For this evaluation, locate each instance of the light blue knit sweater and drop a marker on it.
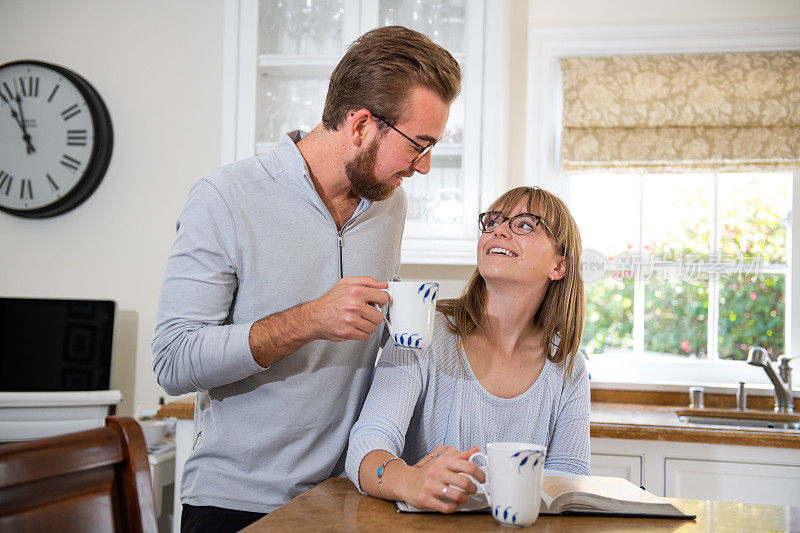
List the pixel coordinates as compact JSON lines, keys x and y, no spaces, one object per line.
{"x":420,"y":399}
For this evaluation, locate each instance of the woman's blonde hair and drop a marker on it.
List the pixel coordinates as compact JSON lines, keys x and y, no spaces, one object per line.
{"x":560,"y":315}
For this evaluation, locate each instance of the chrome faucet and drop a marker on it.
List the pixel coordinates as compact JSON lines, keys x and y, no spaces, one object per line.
{"x":784,"y":399}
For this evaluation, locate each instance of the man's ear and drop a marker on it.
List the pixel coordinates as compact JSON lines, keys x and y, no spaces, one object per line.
{"x":560,"y":270}
{"x":357,"y":125}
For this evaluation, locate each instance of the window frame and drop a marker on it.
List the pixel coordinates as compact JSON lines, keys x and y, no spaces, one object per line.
{"x":544,"y":110}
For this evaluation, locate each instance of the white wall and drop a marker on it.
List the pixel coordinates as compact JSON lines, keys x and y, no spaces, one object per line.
{"x":158,"y":67}
{"x":558,"y":13}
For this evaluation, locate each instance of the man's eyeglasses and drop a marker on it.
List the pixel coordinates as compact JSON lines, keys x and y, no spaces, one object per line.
{"x":421,"y":150}
{"x":521,"y":224}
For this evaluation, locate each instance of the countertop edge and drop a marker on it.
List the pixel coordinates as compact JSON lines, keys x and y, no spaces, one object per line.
{"x":184,"y":409}
{"x":731,"y":437}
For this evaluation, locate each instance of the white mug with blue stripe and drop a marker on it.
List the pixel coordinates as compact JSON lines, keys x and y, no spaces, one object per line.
{"x":513,"y":485}
{"x":412,"y":308}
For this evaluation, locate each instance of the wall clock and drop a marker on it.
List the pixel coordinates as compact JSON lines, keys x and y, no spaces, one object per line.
{"x":55,"y":139}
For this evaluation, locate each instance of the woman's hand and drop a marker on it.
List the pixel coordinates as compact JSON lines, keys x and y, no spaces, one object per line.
{"x":436,"y":481}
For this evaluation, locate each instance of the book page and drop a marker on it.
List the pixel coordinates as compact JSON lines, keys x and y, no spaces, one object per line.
{"x":615,"y":488}
{"x":547,"y":500}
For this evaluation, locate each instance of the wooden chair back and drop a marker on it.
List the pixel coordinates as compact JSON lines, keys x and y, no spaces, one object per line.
{"x":95,"y":480}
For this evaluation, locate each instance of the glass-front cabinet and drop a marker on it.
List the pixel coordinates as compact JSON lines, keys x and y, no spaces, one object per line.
{"x":278,"y":59}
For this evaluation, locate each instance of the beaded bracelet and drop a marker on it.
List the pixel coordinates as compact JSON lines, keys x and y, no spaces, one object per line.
{"x":382,"y":468}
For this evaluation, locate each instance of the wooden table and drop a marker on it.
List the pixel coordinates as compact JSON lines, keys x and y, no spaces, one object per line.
{"x":336,"y":505}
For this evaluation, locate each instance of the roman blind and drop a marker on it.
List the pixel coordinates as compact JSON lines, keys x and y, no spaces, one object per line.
{"x":682,"y":112}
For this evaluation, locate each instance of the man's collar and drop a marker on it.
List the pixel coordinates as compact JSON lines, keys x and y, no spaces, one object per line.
{"x":290,"y":158}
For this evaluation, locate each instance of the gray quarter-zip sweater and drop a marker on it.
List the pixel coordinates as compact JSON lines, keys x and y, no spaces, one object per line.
{"x":254,"y":239}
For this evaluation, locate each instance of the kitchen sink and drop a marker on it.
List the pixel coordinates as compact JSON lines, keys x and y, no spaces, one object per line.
{"x":738,"y":422}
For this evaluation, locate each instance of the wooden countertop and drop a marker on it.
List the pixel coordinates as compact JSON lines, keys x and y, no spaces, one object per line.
{"x":641,"y":416}
{"x":659,"y":422}
{"x":336,"y":505}
{"x":177,"y":409}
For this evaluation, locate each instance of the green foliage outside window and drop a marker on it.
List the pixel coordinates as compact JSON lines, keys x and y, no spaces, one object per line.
{"x":751,"y":303}
{"x":676,"y":316}
{"x":751,"y":313}
{"x":609,"y":314}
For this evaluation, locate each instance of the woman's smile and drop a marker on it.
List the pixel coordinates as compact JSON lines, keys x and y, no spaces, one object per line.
{"x":498,"y":250}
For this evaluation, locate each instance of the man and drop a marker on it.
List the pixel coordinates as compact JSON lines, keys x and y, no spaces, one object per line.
{"x":267,"y":305}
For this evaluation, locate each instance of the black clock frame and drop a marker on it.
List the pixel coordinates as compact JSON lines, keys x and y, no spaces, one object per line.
{"x":101,"y":149}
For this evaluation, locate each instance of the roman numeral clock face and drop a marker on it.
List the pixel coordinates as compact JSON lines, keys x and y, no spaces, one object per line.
{"x":55,"y":139}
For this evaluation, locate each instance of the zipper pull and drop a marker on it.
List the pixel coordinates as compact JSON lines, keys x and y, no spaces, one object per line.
{"x":341,"y":260}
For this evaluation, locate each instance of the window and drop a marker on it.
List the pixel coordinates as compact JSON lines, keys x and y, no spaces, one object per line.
{"x":686,"y":209}
{"x":696,"y":263}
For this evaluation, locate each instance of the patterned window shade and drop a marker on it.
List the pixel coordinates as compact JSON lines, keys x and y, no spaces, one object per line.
{"x":667,"y":113}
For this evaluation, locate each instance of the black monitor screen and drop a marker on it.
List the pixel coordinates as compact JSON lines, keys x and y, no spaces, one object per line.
{"x":55,"y":345}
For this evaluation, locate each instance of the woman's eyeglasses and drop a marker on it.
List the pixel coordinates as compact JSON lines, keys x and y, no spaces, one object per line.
{"x":521,"y":224}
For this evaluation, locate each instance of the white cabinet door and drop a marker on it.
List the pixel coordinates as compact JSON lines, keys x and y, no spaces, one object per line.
{"x":625,"y":466}
{"x":278,"y":58}
{"x":732,"y":481}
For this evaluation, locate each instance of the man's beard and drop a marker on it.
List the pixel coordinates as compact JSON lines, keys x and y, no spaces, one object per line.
{"x":361,"y":173}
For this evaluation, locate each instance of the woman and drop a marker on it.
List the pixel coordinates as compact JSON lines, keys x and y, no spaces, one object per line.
{"x":503,"y":365}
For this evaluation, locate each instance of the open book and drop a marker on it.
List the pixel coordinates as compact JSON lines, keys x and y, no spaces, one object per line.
{"x":586,"y":495}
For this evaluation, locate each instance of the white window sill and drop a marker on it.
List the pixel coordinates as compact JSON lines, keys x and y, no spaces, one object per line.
{"x":676,"y":374}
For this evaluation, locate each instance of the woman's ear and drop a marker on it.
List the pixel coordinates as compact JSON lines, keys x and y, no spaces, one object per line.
{"x":559,"y":271}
